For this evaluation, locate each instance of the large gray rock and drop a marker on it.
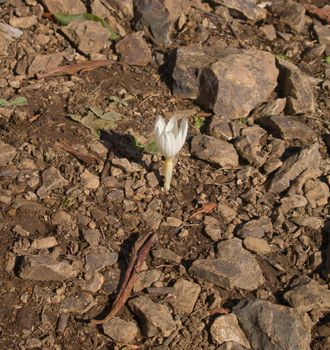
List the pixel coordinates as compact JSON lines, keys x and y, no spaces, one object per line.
{"x":47,"y":268}
{"x":272,"y":327}
{"x":214,"y":150}
{"x":155,"y":319}
{"x":235,"y":267}
{"x":288,"y":128}
{"x":306,"y":295}
{"x":296,"y":87}
{"x":158,"y":17}
{"x":308,"y":158}
{"x":189,"y":61}
{"x":226,"y":329}
{"x":237,"y":83}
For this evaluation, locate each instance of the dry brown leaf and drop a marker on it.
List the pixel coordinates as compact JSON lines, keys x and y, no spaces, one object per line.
{"x":205,"y":209}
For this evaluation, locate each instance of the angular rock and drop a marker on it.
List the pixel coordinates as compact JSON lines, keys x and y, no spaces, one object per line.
{"x":121,"y":331}
{"x":145,"y":279}
{"x":88,"y":36}
{"x":61,"y":218}
{"x":92,"y":284}
{"x":269,"y":32}
{"x":79,"y":303}
{"x":73,"y":7}
{"x":23,"y":22}
{"x":296,"y":87}
{"x":47,"y":268}
{"x":257,"y":245}
{"x":155,"y":319}
{"x":221,"y":128}
{"x":256,"y":228}
{"x":125,"y":6}
{"x":158,"y":18}
{"x":226,"y":213}
{"x":308,"y":158}
{"x":231,"y":346}
{"x":212,"y":228}
{"x":323,"y":35}
{"x":316,"y":192}
{"x":226,"y":329}
{"x":89,"y":180}
{"x":274,"y":107}
{"x":44,"y":243}
{"x":249,"y":145}
{"x":248,"y":8}
{"x":166,"y":254}
{"x":291,"y":14}
{"x":92,"y":236}
{"x":42,"y":63}
{"x":99,"y":258}
{"x":234,"y":267}
{"x":186,"y":294}
{"x":134,"y":50}
{"x":306,"y":294}
{"x":288,"y":128}
{"x":270,"y":327}
{"x":215,"y":151}
{"x":189,"y":62}
{"x":291,"y":202}
{"x":237,"y":83}
{"x":7,"y":153}
{"x":51,"y":180}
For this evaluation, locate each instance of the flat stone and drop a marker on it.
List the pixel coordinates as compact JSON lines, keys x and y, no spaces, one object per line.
{"x":99,"y":258}
{"x":323,"y":35}
{"x":269,"y":326}
{"x":166,"y":254}
{"x":7,"y":153}
{"x":308,"y":158}
{"x":306,"y":294}
{"x":47,"y":268}
{"x":249,"y":145}
{"x":215,"y":151}
{"x":257,"y":245}
{"x":79,"y":303}
{"x":274,"y":107}
{"x":226,"y":329}
{"x":189,"y":62}
{"x":291,"y":13}
{"x":44,"y":243}
{"x":41,"y":63}
{"x":146,"y":279}
{"x":73,"y":7}
{"x":134,"y":50}
{"x":51,"y":180}
{"x":212,"y":228}
{"x":61,"y":217}
{"x":292,"y":202}
{"x":248,"y":8}
{"x":158,"y":18}
{"x":226,"y":213}
{"x":92,"y":284}
{"x":92,"y":236}
{"x":155,"y":319}
{"x":125,"y":6}
{"x":88,"y":36}
{"x":269,"y":32}
{"x":186,"y":294}
{"x":237,"y":83}
{"x":288,"y":128}
{"x":317,"y":193}
{"x":89,"y":180}
{"x":296,"y":87}
{"x":121,"y":331}
{"x":23,"y":22}
{"x":235,"y":267}
{"x":256,"y":228}
{"x":221,"y":128}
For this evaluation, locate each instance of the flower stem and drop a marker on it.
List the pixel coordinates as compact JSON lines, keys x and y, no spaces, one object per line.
{"x":168,"y":167}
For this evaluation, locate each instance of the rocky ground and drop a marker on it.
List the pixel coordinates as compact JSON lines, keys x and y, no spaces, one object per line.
{"x":241,"y":252}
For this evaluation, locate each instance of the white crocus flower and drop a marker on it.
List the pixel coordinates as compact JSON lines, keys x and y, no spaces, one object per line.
{"x":169,"y":139}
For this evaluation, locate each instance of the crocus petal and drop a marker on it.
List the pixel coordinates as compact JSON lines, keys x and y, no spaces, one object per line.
{"x":171,"y":125}
{"x":182,"y":133}
{"x":160,"y":125}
